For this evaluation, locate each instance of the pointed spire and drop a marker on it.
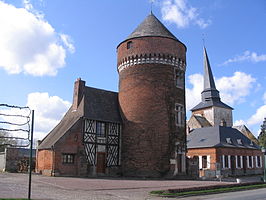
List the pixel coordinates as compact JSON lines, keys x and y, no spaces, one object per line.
{"x":210,"y":92}
{"x":208,"y":77}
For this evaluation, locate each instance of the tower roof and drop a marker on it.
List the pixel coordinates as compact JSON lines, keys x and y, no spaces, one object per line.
{"x":151,"y":26}
{"x":210,"y":95}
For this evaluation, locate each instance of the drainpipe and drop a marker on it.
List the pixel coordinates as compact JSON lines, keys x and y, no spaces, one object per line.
{"x":53,"y":162}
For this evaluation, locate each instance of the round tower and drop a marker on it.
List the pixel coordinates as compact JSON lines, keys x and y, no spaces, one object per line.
{"x":151,"y":66}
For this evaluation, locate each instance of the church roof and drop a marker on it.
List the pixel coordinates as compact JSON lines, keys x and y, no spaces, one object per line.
{"x":218,"y":136}
{"x":202,"y":120}
{"x":151,"y":26}
{"x":210,"y":95}
{"x":207,"y":104}
{"x":96,"y":104}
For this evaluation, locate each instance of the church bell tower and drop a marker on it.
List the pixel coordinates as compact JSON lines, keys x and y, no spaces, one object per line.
{"x":151,"y":63}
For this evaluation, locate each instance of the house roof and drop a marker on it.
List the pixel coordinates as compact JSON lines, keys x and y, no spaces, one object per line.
{"x":70,"y":118}
{"x":151,"y":26}
{"x":101,"y":105}
{"x":244,"y":130}
{"x":217,"y":136}
{"x":96,"y":104}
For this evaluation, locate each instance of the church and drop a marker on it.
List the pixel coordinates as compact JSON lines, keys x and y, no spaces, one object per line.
{"x":139,"y":130}
{"x":221,"y":149}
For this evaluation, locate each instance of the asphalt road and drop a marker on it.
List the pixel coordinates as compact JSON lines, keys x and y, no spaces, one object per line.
{"x":50,"y":188}
{"x":258,"y":194}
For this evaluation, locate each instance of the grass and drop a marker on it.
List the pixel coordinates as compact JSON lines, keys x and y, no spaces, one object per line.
{"x":166,"y":193}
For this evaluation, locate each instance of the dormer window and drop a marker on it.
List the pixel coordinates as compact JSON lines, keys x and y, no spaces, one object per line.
{"x":129,"y":45}
{"x":239,"y":141}
{"x":228,"y":140}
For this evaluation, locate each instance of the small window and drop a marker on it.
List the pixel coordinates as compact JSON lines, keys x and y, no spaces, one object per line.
{"x":204,"y":161}
{"x":239,"y":141}
{"x":258,"y":161}
{"x":100,"y":129}
{"x":180,"y":115}
{"x":226,"y":161}
{"x":238,"y":161}
{"x":129,"y":45}
{"x":179,"y":78}
{"x":250,"y":161}
{"x":68,"y":158}
{"x":228,"y":140}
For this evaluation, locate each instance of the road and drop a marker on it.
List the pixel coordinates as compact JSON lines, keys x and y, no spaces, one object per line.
{"x":14,"y":185}
{"x":258,"y":194}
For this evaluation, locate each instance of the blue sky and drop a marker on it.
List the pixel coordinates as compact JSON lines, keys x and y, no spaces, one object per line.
{"x":45,"y":45}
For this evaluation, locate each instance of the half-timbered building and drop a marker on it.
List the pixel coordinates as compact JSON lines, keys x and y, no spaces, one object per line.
{"x":87,"y":140}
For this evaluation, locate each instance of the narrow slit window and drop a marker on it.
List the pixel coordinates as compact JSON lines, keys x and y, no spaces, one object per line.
{"x":180,"y":115}
{"x":179,"y":78}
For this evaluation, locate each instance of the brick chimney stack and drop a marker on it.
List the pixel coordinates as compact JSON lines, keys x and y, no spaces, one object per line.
{"x":79,"y":88}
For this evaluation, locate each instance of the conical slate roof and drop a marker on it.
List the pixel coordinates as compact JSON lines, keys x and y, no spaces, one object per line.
{"x":210,"y":91}
{"x":210,"y":95}
{"x":151,"y":26}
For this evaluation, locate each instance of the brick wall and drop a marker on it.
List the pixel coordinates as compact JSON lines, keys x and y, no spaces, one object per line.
{"x":147,"y":97}
{"x":215,"y":157}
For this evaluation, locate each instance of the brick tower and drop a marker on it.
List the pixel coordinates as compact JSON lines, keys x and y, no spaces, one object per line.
{"x":151,"y":65}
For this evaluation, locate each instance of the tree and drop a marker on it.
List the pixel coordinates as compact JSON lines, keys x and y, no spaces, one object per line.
{"x":5,"y":140}
{"x":262,"y":136}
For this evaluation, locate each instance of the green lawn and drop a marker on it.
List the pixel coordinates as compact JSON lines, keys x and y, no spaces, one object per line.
{"x":166,"y":193}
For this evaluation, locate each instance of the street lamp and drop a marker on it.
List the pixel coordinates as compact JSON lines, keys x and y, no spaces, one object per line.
{"x":264,"y":174}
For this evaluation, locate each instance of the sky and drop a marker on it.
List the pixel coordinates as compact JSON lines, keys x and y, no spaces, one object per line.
{"x":45,"y":45}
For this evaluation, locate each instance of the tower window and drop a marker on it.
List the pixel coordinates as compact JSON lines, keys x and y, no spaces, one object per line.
{"x":179,"y":78}
{"x":180,"y":115}
{"x":129,"y":45}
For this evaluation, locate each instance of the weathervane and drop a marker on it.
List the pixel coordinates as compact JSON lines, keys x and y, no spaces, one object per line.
{"x":203,"y":39}
{"x":152,"y":1}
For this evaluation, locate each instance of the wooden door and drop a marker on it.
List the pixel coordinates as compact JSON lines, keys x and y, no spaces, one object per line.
{"x":101,"y":163}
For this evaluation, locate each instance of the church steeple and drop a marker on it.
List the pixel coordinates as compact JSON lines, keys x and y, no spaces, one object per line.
{"x":210,"y":93}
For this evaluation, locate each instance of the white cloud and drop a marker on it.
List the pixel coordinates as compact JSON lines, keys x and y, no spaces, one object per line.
{"x":28,"y":43}
{"x":246,"y":56}
{"x":239,"y":122}
{"x":48,"y":110}
{"x":258,"y":117}
{"x":182,"y":14}
{"x":193,"y":95}
{"x":232,"y":89}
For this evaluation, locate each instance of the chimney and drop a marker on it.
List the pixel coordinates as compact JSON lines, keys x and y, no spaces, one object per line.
{"x":79,"y":88}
